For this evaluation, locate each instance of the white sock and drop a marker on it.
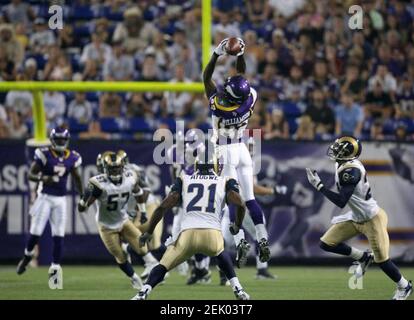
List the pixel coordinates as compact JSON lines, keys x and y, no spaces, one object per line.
{"x":149,"y":258}
{"x":146,"y":287}
{"x":55,"y":266}
{"x":238,"y":237}
{"x":402,"y":283}
{"x":235,"y":284}
{"x":134,"y":276}
{"x":260,"y":265}
{"x":356,"y":254}
{"x":203,"y":264}
{"x":261,"y":232}
{"x":28,"y":253}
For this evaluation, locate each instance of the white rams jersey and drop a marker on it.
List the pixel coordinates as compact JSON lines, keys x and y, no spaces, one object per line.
{"x":203,"y":198}
{"x":363,"y":206}
{"x":132,"y":203}
{"x":113,"y":199}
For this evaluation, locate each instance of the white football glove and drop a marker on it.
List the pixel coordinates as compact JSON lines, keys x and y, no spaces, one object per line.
{"x":314,"y":179}
{"x":242,"y":46}
{"x":220,"y":50}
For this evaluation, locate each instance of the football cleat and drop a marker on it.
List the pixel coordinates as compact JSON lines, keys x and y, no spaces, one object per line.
{"x":199,"y":276}
{"x":147,"y":270}
{"x":136,"y":282}
{"x":241,"y":253}
{"x":264,"y":250}
{"x":142,"y":295}
{"x":363,"y":264}
{"x":403,"y":293}
{"x":241,"y":294}
{"x":264,"y":273}
{"x":21,"y":267}
{"x":55,"y":276}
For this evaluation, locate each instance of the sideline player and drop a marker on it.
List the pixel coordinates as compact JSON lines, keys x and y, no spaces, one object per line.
{"x":50,"y":168}
{"x":112,"y":189}
{"x":365,"y":217}
{"x":232,"y":105}
{"x":203,"y":196}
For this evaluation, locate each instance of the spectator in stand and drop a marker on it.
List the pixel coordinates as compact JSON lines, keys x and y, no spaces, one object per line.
{"x":7,"y":67}
{"x":269,"y":85}
{"x":283,"y":53}
{"x":30,"y":72}
{"x":276,"y":125}
{"x":10,"y":45}
{"x":376,"y":131}
{"x":55,"y":107}
{"x":378,"y":102}
{"x":401,"y":133}
{"x":181,"y":43}
{"x":58,"y":67}
{"x":19,"y":12}
{"x":321,"y":79}
{"x":306,"y":129}
{"x":94,"y":56}
{"x":405,"y":99}
{"x":387,"y":80}
{"x":20,"y":102}
{"x":80,"y":109}
{"x":110,"y":105}
{"x":135,"y":33}
{"x":42,"y":37}
{"x":120,"y":67}
{"x":21,"y":35}
{"x":349,"y":117}
{"x":321,"y":114}
{"x":94,"y":132}
{"x":4,"y":132}
{"x":150,"y":70}
{"x":16,"y":127}
{"x":295,"y":82}
{"x":136,"y":106}
{"x":177,"y":104}
{"x":160,"y":49}
{"x":66,"y":38}
{"x":353,"y":83}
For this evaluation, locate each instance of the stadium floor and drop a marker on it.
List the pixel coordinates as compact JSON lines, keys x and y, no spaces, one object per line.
{"x":106,"y":282}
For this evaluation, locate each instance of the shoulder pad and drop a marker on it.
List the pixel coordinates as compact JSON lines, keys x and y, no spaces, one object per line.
{"x":98,"y":180}
{"x":350,"y":175}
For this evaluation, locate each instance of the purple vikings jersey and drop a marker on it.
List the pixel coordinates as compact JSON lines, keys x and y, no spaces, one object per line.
{"x":53,"y":165}
{"x":230,"y":121}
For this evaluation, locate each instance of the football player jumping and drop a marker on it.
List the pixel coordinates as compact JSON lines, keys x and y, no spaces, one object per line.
{"x":51,"y":167}
{"x":365,"y":217}
{"x":202,"y":195}
{"x":232,"y":105}
{"x":113,"y":189}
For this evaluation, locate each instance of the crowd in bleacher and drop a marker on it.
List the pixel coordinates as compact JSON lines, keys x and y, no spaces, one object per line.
{"x":315,"y":76}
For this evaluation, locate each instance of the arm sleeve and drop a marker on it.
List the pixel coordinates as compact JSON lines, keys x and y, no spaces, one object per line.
{"x":348,"y":179}
{"x":232,"y":185}
{"x":93,"y":190}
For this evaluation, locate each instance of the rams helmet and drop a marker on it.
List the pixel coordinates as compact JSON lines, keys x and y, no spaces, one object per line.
{"x":113,"y":166}
{"x":345,"y":148}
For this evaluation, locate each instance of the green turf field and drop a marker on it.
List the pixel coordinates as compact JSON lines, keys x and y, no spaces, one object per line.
{"x":293,"y":283}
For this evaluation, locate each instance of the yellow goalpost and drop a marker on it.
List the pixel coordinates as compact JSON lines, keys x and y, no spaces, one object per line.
{"x":37,"y":87}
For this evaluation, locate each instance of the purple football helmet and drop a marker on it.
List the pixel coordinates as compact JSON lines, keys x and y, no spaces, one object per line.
{"x":59,"y":137}
{"x":237,"y":89}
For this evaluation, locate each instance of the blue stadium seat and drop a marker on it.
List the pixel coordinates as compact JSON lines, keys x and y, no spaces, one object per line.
{"x":291,"y":109}
{"x":82,"y":12}
{"x":109,"y":125}
{"x":170,"y":122}
{"x":293,"y":124}
{"x":389,"y":127}
{"x":139,"y":125}
{"x":75,"y":126}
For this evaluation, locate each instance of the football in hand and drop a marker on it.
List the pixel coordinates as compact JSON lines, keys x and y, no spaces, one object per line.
{"x":233,"y":46}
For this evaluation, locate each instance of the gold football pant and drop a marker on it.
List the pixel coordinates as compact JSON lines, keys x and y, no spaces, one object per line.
{"x":155,"y":242}
{"x":112,"y":240}
{"x":191,"y":241}
{"x":375,"y":230}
